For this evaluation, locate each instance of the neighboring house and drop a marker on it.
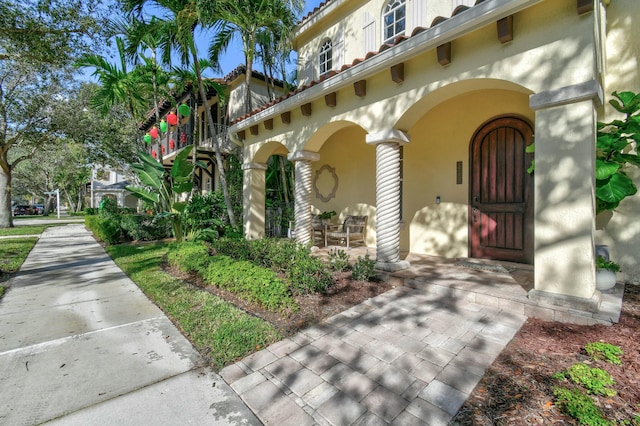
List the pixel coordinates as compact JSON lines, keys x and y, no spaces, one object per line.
{"x":110,"y":184}
{"x":417,"y":113}
{"x":167,"y":145}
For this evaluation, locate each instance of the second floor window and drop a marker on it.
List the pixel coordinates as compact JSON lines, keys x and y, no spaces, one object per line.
{"x":393,"y":20}
{"x":326,"y":57}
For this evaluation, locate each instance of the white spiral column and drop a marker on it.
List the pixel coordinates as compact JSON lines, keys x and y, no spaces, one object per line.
{"x":388,"y":198}
{"x":302,"y":195}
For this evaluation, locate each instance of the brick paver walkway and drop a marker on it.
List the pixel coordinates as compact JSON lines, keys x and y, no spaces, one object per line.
{"x":404,"y":357}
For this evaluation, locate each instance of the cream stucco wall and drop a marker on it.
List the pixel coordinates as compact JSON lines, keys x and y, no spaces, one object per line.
{"x":441,"y":107}
{"x":353,"y":162}
{"x":344,"y":24}
{"x":621,"y":231}
{"x":439,"y":140}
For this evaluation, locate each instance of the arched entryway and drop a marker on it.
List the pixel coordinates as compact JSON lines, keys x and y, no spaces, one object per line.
{"x":501,"y":191}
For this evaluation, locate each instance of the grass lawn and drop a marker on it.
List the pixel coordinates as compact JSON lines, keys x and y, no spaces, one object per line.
{"x":219,"y":330}
{"x":23,"y":230}
{"x":13,"y":252}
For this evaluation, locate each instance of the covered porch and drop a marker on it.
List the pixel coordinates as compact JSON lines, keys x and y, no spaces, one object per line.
{"x":500,"y":284}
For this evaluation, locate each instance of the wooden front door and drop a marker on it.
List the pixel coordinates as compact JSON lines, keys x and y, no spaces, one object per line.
{"x":501,"y":192}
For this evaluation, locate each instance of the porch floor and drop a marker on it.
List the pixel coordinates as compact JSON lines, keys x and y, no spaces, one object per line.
{"x":504,"y":285}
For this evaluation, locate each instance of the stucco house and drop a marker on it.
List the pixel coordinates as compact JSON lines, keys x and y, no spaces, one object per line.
{"x":224,"y":109}
{"x":417,"y":113}
{"x":108,"y":183}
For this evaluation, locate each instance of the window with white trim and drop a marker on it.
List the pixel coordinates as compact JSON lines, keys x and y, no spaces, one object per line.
{"x":326,"y":57}
{"x":393,"y":20}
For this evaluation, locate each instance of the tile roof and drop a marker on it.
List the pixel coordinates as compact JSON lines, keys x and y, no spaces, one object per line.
{"x":369,"y":55}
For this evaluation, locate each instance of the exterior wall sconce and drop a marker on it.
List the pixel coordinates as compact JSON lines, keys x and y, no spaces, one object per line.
{"x":438,"y":199}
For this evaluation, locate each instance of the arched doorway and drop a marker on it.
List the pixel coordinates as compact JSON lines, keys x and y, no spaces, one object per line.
{"x":501,"y":191}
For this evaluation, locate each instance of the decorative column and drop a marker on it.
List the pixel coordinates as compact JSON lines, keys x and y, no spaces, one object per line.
{"x":302,"y":210}
{"x":253,"y":200}
{"x":565,"y":136}
{"x":388,"y":198}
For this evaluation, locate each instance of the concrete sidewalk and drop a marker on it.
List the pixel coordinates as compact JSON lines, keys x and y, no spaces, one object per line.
{"x":80,"y":344}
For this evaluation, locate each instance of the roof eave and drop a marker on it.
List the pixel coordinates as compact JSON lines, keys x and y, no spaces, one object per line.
{"x":472,"y":19}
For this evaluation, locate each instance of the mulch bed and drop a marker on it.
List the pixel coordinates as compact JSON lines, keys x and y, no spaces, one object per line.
{"x":518,"y":388}
{"x":313,"y":308}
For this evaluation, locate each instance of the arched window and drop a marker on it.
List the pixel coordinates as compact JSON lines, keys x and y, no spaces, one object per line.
{"x":393,"y":20}
{"x":326,"y":57}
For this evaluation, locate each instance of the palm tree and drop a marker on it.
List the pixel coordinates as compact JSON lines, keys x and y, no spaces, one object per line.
{"x":117,"y":85}
{"x":248,"y":18}
{"x":178,"y":34}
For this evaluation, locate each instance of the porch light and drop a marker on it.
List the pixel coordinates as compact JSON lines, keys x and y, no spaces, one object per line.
{"x":163,"y":126}
{"x":184,"y":110}
{"x":147,"y":138}
{"x":172,"y":118}
{"x":154,"y":132}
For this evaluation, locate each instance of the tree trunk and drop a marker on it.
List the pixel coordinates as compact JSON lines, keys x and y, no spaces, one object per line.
{"x":216,"y":145}
{"x":6,"y":215}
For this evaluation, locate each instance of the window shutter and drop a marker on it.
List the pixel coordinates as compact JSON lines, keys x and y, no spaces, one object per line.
{"x":417,"y":17}
{"x":338,"y":51}
{"x":369,"y":30}
{"x":307,"y":73}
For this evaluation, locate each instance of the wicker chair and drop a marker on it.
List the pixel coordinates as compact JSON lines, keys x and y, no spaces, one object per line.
{"x":353,"y":229}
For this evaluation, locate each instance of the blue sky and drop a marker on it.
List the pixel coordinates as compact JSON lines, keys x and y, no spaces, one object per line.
{"x":234,"y":56}
{"x":228,"y":62}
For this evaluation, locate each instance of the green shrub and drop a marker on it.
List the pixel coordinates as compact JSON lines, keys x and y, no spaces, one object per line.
{"x":90,"y":222}
{"x":608,"y":352}
{"x":108,"y":207}
{"x":304,"y":273}
{"x":237,"y":248}
{"x":137,"y":227}
{"x":189,"y":256}
{"x":91,"y":211}
{"x":580,"y":406}
{"x":308,"y":275}
{"x":106,"y":230}
{"x":250,"y":282}
{"x":363,"y":269}
{"x":338,"y":260}
{"x":594,"y":380}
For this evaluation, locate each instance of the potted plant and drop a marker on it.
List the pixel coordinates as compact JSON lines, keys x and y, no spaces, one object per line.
{"x":325,"y":216}
{"x":605,"y":273}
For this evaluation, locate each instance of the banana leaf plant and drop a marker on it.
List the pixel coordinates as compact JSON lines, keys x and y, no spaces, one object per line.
{"x":616,"y":151}
{"x":167,"y":191}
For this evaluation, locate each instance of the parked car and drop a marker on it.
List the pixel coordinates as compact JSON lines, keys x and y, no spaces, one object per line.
{"x":22,"y":209}
{"x":38,"y":209}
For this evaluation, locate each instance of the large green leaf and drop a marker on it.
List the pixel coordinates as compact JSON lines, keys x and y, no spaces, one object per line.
{"x":179,"y":206}
{"x":181,"y":188}
{"x":148,"y":175}
{"x":143,"y":193}
{"x":615,"y":189}
{"x":147,"y":159}
{"x":631,"y":158}
{"x":182,"y":168}
{"x":605,"y":169}
{"x":630,"y":102}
